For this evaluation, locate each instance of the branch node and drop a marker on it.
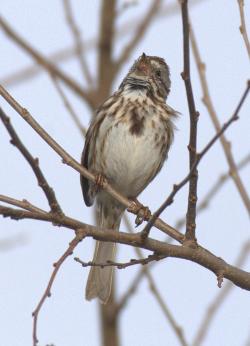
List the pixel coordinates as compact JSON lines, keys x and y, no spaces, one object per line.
{"x":191,"y":243}
{"x":220,"y":277}
{"x":184,"y":76}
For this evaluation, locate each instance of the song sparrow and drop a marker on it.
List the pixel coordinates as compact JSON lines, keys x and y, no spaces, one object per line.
{"x":127,"y":142}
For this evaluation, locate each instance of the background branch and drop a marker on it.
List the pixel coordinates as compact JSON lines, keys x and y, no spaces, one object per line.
{"x":34,"y":164}
{"x":79,"y":46}
{"x":211,"y":110}
{"x":169,"y":200}
{"x":47,"y":293}
{"x":215,"y":305}
{"x":47,"y":65}
{"x":243,"y":29}
{"x":215,"y":188}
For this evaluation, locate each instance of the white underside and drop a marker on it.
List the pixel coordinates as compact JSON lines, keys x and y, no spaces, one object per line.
{"x":130,"y":158}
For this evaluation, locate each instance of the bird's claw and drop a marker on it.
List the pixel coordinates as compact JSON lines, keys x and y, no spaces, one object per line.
{"x":142,"y":212}
{"x":100,"y":180}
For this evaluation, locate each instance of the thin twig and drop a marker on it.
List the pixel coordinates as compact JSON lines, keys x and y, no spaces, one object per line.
{"x":214,"y":117}
{"x":78,"y":41}
{"x":47,"y":292}
{"x":194,"y":115}
{"x":33,"y":162}
{"x":24,"y":204}
{"x":243,"y":29}
{"x":43,"y":61}
{"x":70,"y":161}
{"x":68,"y":106}
{"x":215,"y":305}
{"x":215,"y":188}
{"x":119,"y":265}
{"x":199,"y":156}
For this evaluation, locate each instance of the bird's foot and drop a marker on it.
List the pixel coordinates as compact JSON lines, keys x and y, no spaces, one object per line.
{"x":142,"y":212}
{"x":100,"y":181}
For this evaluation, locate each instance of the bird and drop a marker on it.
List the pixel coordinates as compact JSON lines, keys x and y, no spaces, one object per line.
{"x":127,"y":143}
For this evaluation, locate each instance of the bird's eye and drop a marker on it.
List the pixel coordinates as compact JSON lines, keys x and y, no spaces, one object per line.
{"x":158,"y":73}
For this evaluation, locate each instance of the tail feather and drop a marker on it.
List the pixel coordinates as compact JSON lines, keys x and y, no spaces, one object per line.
{"x":99,"y":281}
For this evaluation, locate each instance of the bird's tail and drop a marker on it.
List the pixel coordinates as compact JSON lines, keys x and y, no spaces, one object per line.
{"x":99,"y":281}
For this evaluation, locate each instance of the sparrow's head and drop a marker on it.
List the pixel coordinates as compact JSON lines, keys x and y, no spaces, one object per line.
{"x":150,"y":71}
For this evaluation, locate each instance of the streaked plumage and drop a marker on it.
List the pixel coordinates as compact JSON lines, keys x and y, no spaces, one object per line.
{"x":127,"y":142}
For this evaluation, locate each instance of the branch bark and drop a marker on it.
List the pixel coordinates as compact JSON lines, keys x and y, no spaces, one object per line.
{"x":193,"y":114}
{"x":243,"y":29}
{"x":197,"y":255}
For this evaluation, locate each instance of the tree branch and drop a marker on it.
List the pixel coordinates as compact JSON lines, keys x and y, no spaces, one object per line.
{"x":193,"y":114}
{"x":106,"y":71}
{"x":169,"y":200}
{"x":120,"y":265}
{"x":242,"y":27}
{"x":69,"y":52}
{"x":222,"y":179}
{"x":214,"y":117}
{"x":78,"y":41}
{"x":214,"y":306}
{"x":33,"y":162}
{"x":197,"y":255}
{"x":43,"y":61}
{"x":47,"y":293}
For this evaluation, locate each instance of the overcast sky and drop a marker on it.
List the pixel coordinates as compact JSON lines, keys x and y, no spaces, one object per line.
{"x":66,"y":318}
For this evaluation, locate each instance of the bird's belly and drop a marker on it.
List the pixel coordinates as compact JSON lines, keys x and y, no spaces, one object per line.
{"x":130,"y":160}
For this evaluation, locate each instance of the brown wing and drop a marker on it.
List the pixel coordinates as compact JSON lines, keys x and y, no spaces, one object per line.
{"x":84,"y":161}
{"x":89,"y":148}
{"x":87,"y":158}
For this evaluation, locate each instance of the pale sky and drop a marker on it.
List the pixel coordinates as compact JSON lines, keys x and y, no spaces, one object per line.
{"x":66,"y":318}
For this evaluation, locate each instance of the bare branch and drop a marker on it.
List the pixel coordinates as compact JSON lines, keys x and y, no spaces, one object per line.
{"x":69,"y":52}
{"x":42,"y":60}
{"x":47,"y":292}
{"x":33,"y":162}
{"x":215,"y":305}
{"x":214,"y":117}
{"x":120,"y":265}
{"x":24,"y":204}
{"x":194,"y":115}
{"x":198,"y":254}
{"x":242,"y":27}
{"x":204,"y":203}
{"x":78,"y":40}
{"x":169,"y":200}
